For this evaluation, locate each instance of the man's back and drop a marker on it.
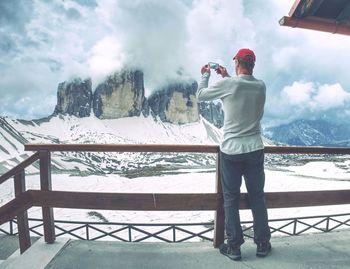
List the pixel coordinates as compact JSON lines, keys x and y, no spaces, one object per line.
{"x":243,"y":98}
{"x":243,"y":106}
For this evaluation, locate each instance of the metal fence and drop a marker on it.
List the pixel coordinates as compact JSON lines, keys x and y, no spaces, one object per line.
{"x":176,"y":232}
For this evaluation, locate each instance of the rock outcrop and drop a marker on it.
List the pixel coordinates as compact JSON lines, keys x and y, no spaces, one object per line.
{"x":212,"y":112}
{"x":175,"y":103}
{"x":121,"y":95}
{"x":74,"y":98}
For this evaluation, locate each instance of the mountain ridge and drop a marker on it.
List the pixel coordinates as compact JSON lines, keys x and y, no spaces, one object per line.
{"x":310,"y":133}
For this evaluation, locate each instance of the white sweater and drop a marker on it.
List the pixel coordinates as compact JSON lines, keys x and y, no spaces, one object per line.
{"x":243,"y":98}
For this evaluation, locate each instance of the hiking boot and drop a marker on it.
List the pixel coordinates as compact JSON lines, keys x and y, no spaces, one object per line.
{"x":263,"y":249}
{"x":234,"y":253}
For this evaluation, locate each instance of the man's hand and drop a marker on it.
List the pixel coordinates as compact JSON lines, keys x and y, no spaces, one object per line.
{"x":205,"y":69}
{"x":222,"y":71}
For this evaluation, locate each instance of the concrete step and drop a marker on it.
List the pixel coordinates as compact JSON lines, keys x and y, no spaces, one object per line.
{"x":37,"y":256}
{"x":9,"y":244}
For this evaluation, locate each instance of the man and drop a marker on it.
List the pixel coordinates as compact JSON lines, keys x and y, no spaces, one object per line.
{"x":241,"y":150}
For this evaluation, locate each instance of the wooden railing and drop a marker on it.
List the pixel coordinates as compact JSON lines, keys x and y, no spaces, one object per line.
{"x":49,"y":199}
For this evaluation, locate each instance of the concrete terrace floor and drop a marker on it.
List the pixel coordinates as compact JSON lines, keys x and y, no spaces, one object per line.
{"x":328,"y":250}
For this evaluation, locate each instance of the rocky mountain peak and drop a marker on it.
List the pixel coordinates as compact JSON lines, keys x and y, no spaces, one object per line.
{"x":175,"y":102}
{"x":120,"y":95}
{"x":74,"y":98}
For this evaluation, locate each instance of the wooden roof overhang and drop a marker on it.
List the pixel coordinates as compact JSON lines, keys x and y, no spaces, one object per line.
{"x":331,"y":16}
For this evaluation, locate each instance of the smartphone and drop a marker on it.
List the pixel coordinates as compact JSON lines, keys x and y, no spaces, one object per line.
{"x":213,"y":65}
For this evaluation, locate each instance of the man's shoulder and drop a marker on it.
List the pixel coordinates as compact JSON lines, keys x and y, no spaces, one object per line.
{"x":259,"y":81}
{"x":225,"y":81}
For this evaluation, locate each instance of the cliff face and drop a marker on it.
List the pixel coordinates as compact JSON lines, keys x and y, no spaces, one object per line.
{"x":175,"y":103}
{"x":121,"y":95}
{"x":74,"y":98}
{"x":212,"y":112}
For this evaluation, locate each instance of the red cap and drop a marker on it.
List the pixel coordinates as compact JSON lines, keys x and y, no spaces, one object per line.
{"x":246,"y":55}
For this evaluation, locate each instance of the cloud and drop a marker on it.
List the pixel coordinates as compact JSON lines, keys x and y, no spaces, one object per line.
{"x":309,"y":100}
{"x":21,"y":94}
{"x":105,"y":57}
{"x":316,"y":97}
{"x":153,"y":36}
{"x":282,"y":57}
{"x":215,"y":32}
{"x":299,"y":93}
{"x":43,"y":43}
{"x":331,"y":96}
{"x":15,"y":14}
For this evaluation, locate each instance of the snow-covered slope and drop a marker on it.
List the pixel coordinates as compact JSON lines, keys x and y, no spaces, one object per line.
{"x":70,"y":129}
{"x":11,"y":146}
{"x":91,"y":130}
{"x":10,"y":140}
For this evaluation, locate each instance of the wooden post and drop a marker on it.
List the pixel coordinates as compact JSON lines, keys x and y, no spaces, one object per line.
{"x":219,"y":224}
{"x":46,"y":185}
{"x":22,"y":218}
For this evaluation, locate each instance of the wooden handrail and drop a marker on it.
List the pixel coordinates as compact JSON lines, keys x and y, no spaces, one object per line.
{"x":177,"y":148}
{"x":15,"y":170}
{"x":307,"y":198}
{"x":305,"y":150}
{"x":184,"y":201}
{"x":125,"y":201}
{"x":161,"y":201}
{"x":123,"y":148}
{"x":15,"y":207}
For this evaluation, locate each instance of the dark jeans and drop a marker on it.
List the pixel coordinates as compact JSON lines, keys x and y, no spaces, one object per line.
{"x":251,"y":166}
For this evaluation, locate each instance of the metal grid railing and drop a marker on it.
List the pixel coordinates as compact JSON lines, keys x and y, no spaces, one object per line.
{"x":176,"y":232}
{"x":302,"y":225}
{"x":125,"y":232}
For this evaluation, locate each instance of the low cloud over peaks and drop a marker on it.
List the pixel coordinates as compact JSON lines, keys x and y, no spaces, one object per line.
{"x":43,"y":43}
{"x":309,"y":100}
{"x":317,"y":97}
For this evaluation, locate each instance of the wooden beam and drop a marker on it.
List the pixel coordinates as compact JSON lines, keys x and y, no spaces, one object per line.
{"x":314,"y":23}
{"x":294,"y":7}
{"x":15,"y":207}
{"x":305,"y":150}
{"x":46,"y":185}
{"x":219,"y":220}
{"x":17,"y":169}
{"x":178,"y":148}
{"x":180,"y":202}
{"x":22,"y":218}
{"x":125,"y":201}
{"x":307,"y":198}
{"x":123,"y":147}
{"x":303,"y":8}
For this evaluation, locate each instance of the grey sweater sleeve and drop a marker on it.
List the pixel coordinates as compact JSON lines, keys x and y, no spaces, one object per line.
{"x":217,"y":91}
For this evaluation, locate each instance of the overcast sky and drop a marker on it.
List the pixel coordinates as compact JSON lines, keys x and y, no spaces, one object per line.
{"x":45,"y":42}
